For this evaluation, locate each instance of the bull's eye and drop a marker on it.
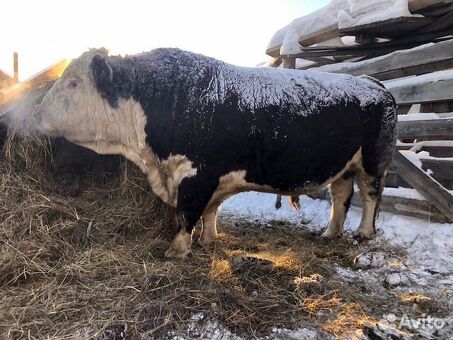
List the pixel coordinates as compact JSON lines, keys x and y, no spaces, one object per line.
{"x":72,"y":84}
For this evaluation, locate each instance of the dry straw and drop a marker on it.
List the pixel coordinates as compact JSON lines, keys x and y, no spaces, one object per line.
{"x":82,"y":256}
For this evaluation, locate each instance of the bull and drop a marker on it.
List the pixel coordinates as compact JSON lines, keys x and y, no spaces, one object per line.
{"x":203,"y":130}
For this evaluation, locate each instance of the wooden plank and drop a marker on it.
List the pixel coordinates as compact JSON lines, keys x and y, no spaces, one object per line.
{"x":398,"y":205}
{"x":424,"y":6}
{"x":435,"y":11}
{"x":434,"y":192}
{"x":289,"y":63}
{"x":378,"y":48}
{"x":44,"y":77}
{"x":326,"y":33}
{"x":424,"y":92}
{"x":403,"y":63}
{"x":275,"y":62}
{"x":16,"y":67}
{"x":440,"y":23}
{"x":423,"y":129}
{"x":391,"y":28}
{"x":392,"y":180}
{"x":5,"y":80}
{"x":51,"y":73}
{"x":403,"y":109}
{"x":437,"y":107}
{"x":436,"y":148}
{"x":442,"y":168}
{"x":406,"y":206}
{"x":442,"y":172}
{"x":321,"y":61}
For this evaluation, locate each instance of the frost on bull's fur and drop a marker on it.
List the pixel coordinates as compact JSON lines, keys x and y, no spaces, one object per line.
{"x":171,"y":111}
{"x":264,"y":87}
{"x":253,"y":88}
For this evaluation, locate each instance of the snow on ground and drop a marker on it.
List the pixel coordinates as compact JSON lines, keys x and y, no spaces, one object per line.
{"x":256,"y":206}
{"x":425,"y":266}
{"x":199,"y":328}
{"x":429,"y":246}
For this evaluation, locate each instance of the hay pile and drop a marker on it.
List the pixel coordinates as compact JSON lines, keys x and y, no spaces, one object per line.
{"x":82,"y":256}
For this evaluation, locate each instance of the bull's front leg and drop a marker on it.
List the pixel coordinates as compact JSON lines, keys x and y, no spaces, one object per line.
{"x":194,"y":194}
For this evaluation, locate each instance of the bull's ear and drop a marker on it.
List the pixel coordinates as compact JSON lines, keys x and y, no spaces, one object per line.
{"x":102,"y":73}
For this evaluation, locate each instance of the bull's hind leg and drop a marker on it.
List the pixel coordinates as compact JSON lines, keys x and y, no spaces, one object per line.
{"x":371,"y":188}
{"x":208,"y":233}
{"x":341,"y":191}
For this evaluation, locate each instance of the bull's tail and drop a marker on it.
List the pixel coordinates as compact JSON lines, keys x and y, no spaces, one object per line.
{"x":379,"y":136}
{"x":378,"y":146}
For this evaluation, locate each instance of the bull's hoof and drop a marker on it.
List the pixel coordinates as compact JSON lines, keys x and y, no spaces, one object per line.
{"x":331,"y":234}
{"x":365,"y":234}
{"x":178,"y":253}
{"x":207,"y":242}
{"x":180,"y":246}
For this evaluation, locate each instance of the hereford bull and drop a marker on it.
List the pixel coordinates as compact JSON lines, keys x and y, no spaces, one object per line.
{"x":203,"y":130}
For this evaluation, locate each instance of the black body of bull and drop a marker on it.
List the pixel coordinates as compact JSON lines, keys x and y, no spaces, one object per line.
{"x":287,"y":129}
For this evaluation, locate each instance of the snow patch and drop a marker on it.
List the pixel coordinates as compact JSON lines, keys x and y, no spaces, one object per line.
{"x":290,"y":43}
{"x":418,"y":116}
{"x":337,"y":13}
{"x":366,"y":12}
{"x":404,"y":192}
{"x":417,"y":80}
{"x":429,"y":245}
{"x":311,"y":23}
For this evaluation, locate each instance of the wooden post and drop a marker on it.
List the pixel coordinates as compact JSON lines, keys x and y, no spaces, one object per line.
{"x":289,"y":62}
{"x":16,"y":67}
{"x":432,"y":190}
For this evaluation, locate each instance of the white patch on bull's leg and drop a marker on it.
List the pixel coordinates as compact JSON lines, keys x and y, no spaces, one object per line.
{"x":208,"y":233}
{"x":181,"y":245}
{"x":341,"y":191}
{"x":370,"y":194}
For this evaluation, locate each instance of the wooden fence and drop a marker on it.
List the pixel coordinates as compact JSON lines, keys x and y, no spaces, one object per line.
{"x":421,"y":47}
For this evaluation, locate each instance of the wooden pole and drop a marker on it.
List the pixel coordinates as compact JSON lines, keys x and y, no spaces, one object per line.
{"x":289,"y":63}
{"x":16,"y":67}
{"x":432,"y":190}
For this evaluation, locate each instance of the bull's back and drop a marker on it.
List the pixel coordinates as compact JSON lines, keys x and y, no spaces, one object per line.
{"x":291,"y":128}
{"x":285,"y":128}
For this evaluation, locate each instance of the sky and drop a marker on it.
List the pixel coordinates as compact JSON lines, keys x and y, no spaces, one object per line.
{"x":236,"y":31}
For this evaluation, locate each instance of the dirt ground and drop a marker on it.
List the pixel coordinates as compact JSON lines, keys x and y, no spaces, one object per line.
{"x":82,"y":256}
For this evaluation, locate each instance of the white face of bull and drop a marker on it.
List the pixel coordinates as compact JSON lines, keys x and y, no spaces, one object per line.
{"x":75,"y":109}
{"x":73,"y":105}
